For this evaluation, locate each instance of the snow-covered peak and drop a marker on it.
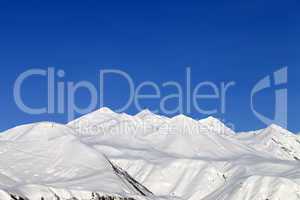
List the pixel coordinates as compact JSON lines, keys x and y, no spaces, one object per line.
{"x":182,"y":117}
{"x":275,"y":140}
{"x":210,"y":120}
{"x":94,"y":122}
{"x":105,"y":110}
{"x":272,"y":131}
{"x":38,"y":131}
{"x":215,"y":125}
{"x":144,"y":113}
{"x":274,"y":128}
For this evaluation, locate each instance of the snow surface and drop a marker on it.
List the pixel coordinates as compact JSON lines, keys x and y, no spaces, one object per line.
{"x":48,"y":160}
{"x":147,"y":156}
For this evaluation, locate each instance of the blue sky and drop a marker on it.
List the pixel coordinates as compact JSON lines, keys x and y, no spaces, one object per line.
{"x":241,"y":41}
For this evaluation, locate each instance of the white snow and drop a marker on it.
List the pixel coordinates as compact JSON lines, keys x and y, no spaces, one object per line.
{"x":48,"y":159}
{"x":175,"y":158}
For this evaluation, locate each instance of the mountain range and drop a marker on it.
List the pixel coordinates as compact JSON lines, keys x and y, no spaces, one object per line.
{"x":108,"y":155}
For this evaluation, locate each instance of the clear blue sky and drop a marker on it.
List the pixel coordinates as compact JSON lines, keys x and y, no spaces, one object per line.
{"x":241,"y":41}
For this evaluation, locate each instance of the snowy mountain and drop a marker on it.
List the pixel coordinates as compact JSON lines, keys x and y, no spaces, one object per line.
{"x":47,"y":160}
{"x":274,"y":140}
{"x":147,"y":156}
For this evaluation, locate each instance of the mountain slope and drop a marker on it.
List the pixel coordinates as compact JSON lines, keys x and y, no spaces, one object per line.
{"x":275,"y":141}
{"x":195,"y":160}
{"x":110,"y":154}
{"x":48,"y":160}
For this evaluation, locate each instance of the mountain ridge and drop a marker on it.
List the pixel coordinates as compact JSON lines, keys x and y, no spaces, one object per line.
{"x":148,"y":156}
